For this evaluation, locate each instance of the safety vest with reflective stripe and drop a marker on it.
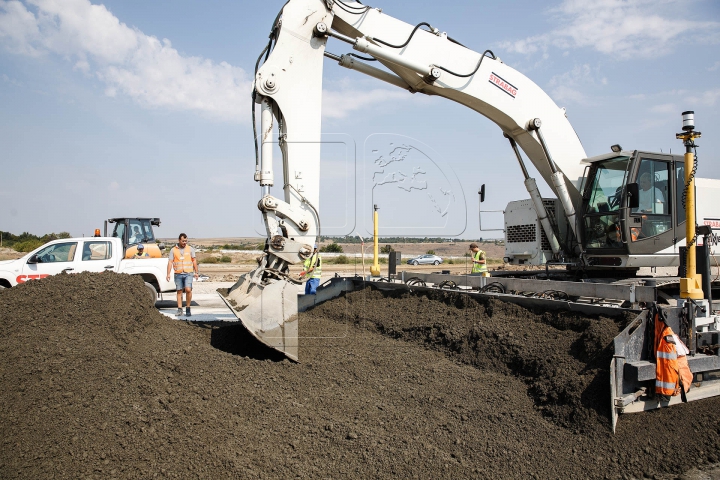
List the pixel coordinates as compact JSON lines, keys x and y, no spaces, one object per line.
{"x":182,"y":261}
{"x":316,"y":261}
{"x":666,"y":368}
{"x":479,"y":267}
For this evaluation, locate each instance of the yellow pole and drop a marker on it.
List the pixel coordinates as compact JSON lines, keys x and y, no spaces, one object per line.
{"x":375,"y":268}
{"x":362,"y":250}
{"x":691,"y":284}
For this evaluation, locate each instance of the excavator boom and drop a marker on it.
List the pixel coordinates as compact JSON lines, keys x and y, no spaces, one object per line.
{"x":421,"y":59}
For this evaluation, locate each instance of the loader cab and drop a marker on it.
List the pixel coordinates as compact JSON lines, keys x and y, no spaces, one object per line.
{"x":136,"y":231}
{"x":615,"y":229}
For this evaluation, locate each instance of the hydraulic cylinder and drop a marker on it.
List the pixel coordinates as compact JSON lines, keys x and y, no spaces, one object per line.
{"x":266,"y":152}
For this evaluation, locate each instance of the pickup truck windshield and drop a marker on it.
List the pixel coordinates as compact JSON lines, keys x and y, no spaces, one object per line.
{"x":59,"y":252}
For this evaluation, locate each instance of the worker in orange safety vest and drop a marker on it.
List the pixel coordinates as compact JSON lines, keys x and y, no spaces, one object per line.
{"x":672,"y":373}
{"x":182,"y":262}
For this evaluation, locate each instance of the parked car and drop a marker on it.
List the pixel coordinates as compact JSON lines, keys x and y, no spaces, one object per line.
{"x":425,"y":260}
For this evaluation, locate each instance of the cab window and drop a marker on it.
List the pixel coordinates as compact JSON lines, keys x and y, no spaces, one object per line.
{"x":606,"y":189}
{"x":680,"y":182}
{"x":119,"y":231}
{"x":652,"y":216}
{"x":147,"y":231}
{"x":59,"y":252}
{"x":135,"y":233}
{"x":97,"y":251}
{"x":601,"y":227}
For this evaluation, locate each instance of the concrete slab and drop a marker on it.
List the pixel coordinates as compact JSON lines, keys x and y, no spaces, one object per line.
{"x":202,"y":315}
{"x":206,"y":306}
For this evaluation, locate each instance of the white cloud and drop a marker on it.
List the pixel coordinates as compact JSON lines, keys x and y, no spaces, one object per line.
{"x":681,"y":100}
{"x":707,"y":98}
{"x":82,"y":65}
{"x":339,"y":103}
{"x":11,"y":81}
{"x":18,"y":28}
{"x":715,"y":67}
{"x":664,"y":108}
{"x":129,"y":62}
{"x":567,"y":86}
{"x":622,"y":28}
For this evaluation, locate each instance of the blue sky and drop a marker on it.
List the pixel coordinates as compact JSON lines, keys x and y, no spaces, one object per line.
{"x":136,"y":108}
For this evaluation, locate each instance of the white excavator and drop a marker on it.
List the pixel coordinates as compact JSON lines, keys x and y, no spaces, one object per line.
{"x":614,"y":212}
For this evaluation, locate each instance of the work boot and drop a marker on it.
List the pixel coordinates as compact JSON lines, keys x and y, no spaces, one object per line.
{"x":179,"y":312}
{"x":187,"y":312}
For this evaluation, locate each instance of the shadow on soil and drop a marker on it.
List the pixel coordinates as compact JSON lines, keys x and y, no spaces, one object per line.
{"x":236,"y":340}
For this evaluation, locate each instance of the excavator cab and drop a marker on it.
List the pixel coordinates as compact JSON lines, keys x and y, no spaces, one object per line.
{"x":137,"y":231}
{"x":632,"y":208}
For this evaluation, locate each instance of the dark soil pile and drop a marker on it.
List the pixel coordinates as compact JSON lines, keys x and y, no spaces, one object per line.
{"x":563,"y":357}
{"x":97,"y":385}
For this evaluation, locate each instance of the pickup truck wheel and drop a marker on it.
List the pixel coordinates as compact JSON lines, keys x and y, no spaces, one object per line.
{"x":151,"y":294}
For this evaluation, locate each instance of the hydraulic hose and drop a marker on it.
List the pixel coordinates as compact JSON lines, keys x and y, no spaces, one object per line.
{"x":350,"y":8}
{"x":305,"y":200}
{"x":367,"y":59}
{"x":408,"y":39}
{"x":266,"y":51}
{"x":461,"y":75}
{"x":691,"y":177}
{"x":477,"y":67}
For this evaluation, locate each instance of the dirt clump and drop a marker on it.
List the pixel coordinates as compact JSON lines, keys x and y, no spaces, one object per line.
{"x":96,"y":384}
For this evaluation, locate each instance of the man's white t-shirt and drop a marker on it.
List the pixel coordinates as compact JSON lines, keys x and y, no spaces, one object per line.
{"x":651,"y":200}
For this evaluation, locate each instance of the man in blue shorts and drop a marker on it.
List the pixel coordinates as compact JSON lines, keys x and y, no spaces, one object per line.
{"x":182,"y":261}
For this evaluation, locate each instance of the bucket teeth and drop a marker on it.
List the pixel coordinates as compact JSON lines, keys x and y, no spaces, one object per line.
{"x":268,"y":312}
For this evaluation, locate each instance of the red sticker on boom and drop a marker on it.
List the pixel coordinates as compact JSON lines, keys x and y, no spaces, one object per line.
{"x":503,"y":85}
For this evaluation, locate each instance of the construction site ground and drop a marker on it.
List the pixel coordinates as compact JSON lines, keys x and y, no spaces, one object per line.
{"x":98,"y":384}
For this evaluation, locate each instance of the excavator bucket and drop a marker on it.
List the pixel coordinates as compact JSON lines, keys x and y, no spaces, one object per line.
{"x":268,"y":311}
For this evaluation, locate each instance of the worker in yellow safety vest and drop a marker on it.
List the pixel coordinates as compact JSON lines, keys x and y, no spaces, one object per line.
{"x":141,"y":253}
{"x":479,"y":266}
{"x":312,"y":270}
{"x":182,"y":261}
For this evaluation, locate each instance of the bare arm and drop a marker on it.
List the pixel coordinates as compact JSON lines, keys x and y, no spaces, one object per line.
{"x":169,"y":267}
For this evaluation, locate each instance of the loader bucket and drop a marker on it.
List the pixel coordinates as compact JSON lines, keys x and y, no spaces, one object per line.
{"x":268,"y":312}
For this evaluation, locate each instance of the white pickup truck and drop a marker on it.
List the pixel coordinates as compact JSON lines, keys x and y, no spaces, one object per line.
{"x":87,"y":254}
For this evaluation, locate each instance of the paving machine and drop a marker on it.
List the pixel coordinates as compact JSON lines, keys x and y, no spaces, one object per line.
{"x":612,"y":214}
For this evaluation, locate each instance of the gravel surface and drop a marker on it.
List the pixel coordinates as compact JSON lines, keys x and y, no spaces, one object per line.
{"x":96,"y":384}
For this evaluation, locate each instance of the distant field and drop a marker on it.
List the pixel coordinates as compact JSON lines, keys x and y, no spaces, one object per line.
{"x":445,"y":249}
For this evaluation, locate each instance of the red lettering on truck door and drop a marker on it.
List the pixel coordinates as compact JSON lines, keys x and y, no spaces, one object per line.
{"x":25,"y":278}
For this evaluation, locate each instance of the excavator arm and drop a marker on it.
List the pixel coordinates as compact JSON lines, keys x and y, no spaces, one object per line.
{"x":417,"y":58}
